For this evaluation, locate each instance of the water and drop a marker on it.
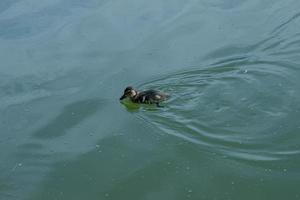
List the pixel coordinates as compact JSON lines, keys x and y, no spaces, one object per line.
{"x":230,"y":130}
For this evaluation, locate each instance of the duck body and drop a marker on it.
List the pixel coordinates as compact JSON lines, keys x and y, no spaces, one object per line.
{"x":149,"y":97}
{"x":145,"y":97}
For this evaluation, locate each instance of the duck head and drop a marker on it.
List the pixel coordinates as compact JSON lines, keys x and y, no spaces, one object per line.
{"x":129,"y":92}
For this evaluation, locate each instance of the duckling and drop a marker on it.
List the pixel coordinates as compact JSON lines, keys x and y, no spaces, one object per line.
{"x":144,"y":97}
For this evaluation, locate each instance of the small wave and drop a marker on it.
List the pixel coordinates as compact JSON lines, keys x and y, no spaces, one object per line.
{"x":238,"y":107}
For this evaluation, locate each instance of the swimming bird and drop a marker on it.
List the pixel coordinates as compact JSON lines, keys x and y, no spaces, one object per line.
{"x":144,"y":97}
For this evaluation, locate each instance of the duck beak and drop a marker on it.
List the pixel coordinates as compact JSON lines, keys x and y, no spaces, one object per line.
{"x":122,"y":97}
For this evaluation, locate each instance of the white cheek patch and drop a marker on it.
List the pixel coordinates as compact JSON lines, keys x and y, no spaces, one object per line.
{"x":157,"y":96}
{"x":133,"y":93}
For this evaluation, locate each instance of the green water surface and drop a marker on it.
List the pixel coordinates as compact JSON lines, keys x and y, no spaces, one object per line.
{"x":230,"y":130}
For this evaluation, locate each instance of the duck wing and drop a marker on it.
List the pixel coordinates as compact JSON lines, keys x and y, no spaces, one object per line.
{"x":151,"y":96}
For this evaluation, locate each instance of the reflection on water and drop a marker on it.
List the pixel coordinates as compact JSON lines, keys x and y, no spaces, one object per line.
{"x":230,"y":130}
{"x":135,"y":107}
{"x":71,"y":116}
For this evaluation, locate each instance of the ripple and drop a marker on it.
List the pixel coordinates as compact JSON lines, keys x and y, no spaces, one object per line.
{"x":239,"y":107}
{"x":39,"y":19}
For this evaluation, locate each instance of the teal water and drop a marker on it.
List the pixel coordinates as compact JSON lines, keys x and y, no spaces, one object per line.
{"x":230,"y":130}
